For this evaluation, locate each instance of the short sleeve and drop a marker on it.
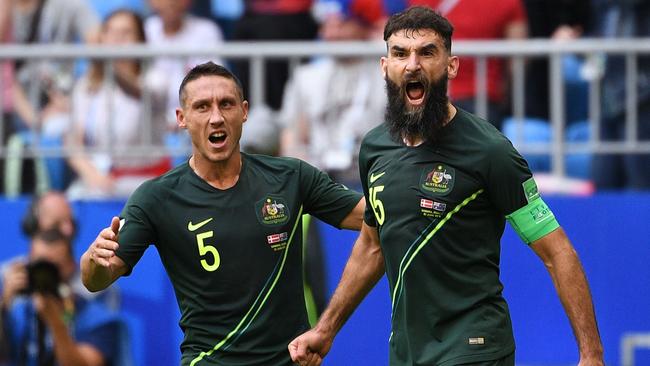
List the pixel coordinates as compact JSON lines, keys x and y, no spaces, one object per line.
{"x":329,"y":201}
{"x":136,"y":228}
{"x":507,"y":177}
{"x":369,"y":216}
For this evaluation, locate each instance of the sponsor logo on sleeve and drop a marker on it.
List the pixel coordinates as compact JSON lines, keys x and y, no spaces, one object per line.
{"x":530,"y":189}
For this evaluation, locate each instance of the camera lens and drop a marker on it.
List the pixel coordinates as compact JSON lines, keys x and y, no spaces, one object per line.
{"x":43,"y":277}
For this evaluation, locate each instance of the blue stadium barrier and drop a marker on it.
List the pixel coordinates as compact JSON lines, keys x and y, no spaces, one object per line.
{"x":610,"y":232}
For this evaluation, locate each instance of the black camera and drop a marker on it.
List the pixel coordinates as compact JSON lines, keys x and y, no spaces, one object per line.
{"x":43,"y":277}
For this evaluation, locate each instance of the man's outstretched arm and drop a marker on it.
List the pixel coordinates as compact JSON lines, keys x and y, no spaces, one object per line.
{"x":100,"y":267}
{"x":569,"y":279}
{"x":362,"y":271}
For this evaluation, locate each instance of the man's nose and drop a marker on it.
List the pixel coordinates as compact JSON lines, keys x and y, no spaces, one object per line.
{"x":216,"y":116}
{"x":413,"y":62}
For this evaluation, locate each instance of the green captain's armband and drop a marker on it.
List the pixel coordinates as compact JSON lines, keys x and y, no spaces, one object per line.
{"x":533,"y":221}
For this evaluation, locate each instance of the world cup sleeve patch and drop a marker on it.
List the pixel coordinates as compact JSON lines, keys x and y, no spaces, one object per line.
{"x":530,"y":190}
{"x":438,"y":179}
{"x":272,"y":210}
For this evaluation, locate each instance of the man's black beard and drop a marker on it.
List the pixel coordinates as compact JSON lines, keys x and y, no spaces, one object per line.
{"x":424,"y":121}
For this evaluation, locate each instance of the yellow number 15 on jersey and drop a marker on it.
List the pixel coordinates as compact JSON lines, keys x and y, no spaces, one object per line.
{"x":376,"y":204}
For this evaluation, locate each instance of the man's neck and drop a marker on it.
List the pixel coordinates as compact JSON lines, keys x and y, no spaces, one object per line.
{"x":220,"y":175}
{"x":418,"y":140}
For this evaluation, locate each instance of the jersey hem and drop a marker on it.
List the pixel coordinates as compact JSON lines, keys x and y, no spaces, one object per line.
{"x":478,"y":357}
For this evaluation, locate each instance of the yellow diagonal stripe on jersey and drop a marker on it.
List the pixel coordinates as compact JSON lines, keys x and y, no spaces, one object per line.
{"x":409,"y":256}
{"x":255,"y":308}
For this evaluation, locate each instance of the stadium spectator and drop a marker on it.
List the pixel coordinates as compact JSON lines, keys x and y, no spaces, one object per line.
{"x":47,"y":212}
{"x":226,"y":226}
{"x":6,"y":82}
{"x":44,"y":322}
{"x":440,"y":184}
{"x":273,"y":20}
{"x":173,"y":26}
{"x":330,"y":103}
{"x":505,"y":19}
{"x":111,"y":118}
{"x":623,"y":19}
{"x":42,"y":90}
{"x":559,"y":20}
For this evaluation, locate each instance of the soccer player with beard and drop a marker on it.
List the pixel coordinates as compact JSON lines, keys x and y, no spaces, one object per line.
{"x":440,"y":184}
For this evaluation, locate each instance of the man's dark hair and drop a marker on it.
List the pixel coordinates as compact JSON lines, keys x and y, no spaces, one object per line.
{"x":208,"y":69}
{"x":419,"y":17}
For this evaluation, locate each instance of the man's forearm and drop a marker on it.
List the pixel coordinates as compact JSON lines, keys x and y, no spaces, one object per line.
{"x":362,"y":271}
{"x":573,"y":290}
{"x":570,"y":282}
{"x":65,"y":348}
{"x":94,"y":276}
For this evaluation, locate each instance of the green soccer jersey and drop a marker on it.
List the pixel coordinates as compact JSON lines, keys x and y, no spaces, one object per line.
{"x":440,"y":212}
{"x":234,"y":256}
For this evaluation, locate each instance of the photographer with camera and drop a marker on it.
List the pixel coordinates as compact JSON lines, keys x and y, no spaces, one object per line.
{"x":44,"y":320}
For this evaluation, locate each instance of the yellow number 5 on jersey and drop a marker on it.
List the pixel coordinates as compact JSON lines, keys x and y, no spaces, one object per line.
{"x":205,"y":249}
{"x":376,"y":204}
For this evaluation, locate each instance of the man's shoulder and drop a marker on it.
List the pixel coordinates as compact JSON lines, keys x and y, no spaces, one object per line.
{"x":156,"y":186}
{"x":271,"y":163}
{"x":479,"y":129}
{"x":377,"y":136}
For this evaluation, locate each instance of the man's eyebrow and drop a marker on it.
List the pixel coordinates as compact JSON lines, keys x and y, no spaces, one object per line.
{"x":200,"y":101}
{"x":429,"y":47}
{"x":397,"y":48}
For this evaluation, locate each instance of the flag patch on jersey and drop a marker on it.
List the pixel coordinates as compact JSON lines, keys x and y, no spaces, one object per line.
{"x":278,"y":241}
{"x":276,"y":238}
{"x":425,"y":203}
{"x":438,"y":206}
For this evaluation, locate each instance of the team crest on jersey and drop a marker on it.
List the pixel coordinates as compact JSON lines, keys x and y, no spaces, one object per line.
{"x":272,"y":211}
{"x":440,"y":179}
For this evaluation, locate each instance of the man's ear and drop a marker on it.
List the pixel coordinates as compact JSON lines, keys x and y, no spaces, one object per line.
{"x":383,"y":63}
{"x":452,"y":67}
{"x":244,"y":106}
{"x":180,"y":118}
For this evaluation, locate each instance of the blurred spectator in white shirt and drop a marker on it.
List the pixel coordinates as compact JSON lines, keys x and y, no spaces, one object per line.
{"x":111,"y":118}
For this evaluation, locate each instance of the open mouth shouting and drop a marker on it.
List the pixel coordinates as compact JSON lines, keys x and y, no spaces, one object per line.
{"x":218,"y":139}
{"x":415,"y":92}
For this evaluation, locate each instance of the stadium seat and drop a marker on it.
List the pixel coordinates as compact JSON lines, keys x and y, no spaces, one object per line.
{"x":535,"y":130}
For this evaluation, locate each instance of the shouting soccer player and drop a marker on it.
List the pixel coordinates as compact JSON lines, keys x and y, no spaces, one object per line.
{"x":227,"y":226}
{"x":440,"y":184}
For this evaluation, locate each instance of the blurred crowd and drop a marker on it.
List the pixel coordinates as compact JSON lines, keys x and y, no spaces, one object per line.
{"x":100,"y":112}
